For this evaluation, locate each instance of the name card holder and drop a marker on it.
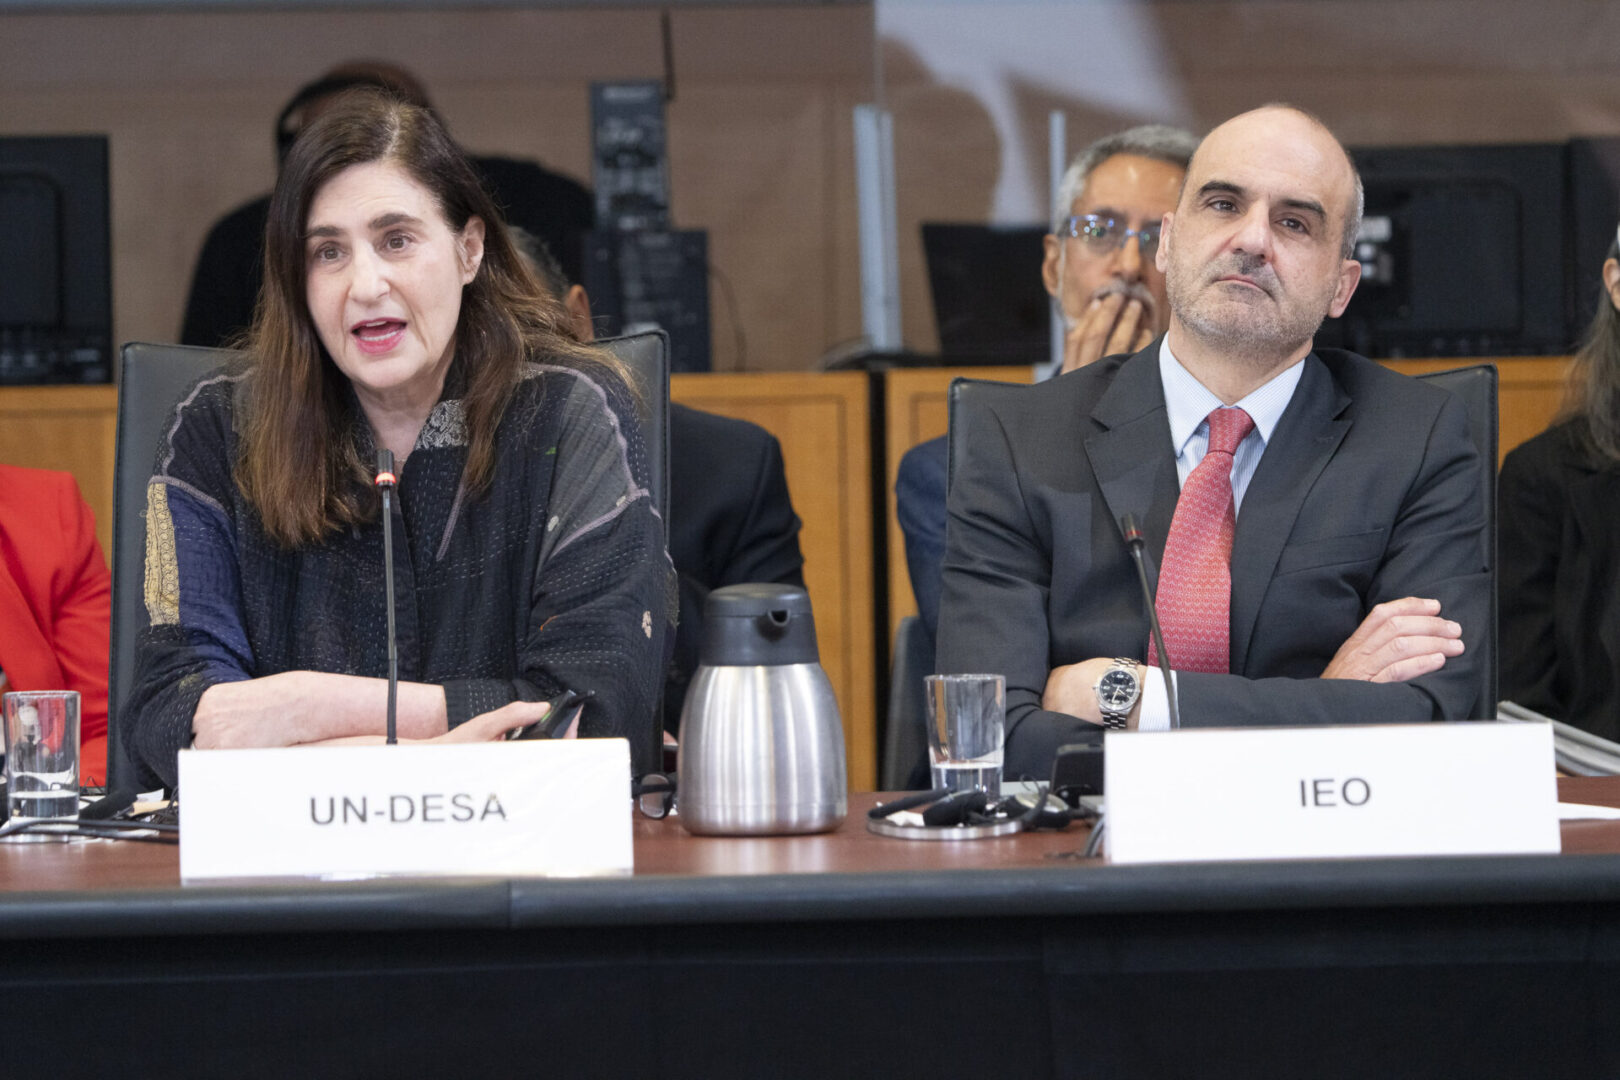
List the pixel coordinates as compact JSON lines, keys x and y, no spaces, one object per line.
{"x":1481,"y":788}
{"x":510,"y":809}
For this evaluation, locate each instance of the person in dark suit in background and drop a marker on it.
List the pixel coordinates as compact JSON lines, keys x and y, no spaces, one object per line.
{"x":55,"y":601}
{"x":730,"y":518}
{"x":1560,"y":542}
{"x":230,"y":267}
{"x":1314,"y":517}
{"x":1099,"y":269}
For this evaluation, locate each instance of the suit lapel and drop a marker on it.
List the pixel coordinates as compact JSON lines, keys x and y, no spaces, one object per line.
{"x":1301,"y":445}
{"x":1131,"y":456}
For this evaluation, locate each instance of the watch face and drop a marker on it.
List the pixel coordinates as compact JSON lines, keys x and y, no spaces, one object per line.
{"x":1117,"y":689}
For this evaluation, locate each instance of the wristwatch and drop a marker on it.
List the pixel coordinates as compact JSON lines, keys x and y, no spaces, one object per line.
{"x":1117,"y":693}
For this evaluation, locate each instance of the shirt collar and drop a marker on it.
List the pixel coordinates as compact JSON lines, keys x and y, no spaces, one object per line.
{"x":1188,"y":402}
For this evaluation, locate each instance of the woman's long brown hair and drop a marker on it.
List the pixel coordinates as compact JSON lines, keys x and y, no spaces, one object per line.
{"x":298,"y":466}
{"x":1593,"y":392}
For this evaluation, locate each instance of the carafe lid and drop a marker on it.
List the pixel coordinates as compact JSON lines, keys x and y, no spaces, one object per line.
{"x":745,"y":625}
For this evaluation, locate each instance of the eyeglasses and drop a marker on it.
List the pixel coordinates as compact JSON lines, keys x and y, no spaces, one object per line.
{"x":1104,"y":235}
{"x":654,"y":795}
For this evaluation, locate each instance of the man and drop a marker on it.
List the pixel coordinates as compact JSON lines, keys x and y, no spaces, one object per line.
{"x":730,"y":518}
{"x":1315,"y":517}
{"x":225,"y":284}
{"x":1099,"y":268}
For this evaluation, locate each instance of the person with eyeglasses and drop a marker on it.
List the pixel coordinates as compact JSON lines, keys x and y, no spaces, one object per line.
{"x":1099,"y":264}
{"x":1312,"y":519}
{"x":1099,"y":271}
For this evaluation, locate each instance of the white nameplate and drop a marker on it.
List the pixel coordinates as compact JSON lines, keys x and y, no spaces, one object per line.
{"x":1290,"y":793}
{"x":543,"y":807}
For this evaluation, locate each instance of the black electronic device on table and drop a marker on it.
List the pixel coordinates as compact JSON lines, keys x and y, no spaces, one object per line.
{"x":55,"y":260}
{"x":564,"y":708}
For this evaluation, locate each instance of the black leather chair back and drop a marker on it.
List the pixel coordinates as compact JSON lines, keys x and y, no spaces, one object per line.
{"x":965,"y":394}
{"x":150,"y":383}
{"x":647,"y":356}
{"x":1476,"y":386}
{"x":905,"y":738}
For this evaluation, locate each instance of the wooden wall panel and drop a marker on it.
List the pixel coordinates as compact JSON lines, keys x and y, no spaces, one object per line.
{"x":70,"y":428}
{"x":760,"y":127}
{"x":1529,"y":391}
{"x":822,"y":423}
{"x":1379,"y":72}
{"x":915,"y":411}
{"x":760,"y":135}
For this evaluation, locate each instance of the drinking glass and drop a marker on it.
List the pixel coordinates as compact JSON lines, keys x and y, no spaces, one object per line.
{"x":42,"y":756}
{"x":966,"y":715}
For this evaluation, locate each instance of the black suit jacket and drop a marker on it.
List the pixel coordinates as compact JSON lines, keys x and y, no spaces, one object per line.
{"x":1367,"y":491}
{"x":1560,"y":598}
{"x":730,"y":522}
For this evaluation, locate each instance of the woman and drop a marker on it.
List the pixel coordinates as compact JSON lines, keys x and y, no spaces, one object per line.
{"x":1560,"y":542}
{"x":55,"y":601}
{"x":528,"y":556}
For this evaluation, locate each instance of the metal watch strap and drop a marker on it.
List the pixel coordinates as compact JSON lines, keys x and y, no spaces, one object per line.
{"x":1116,"y":721}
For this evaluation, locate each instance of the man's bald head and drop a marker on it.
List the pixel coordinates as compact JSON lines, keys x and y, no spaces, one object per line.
{"x":1286,"y":121}
{"x":1258,"y":250}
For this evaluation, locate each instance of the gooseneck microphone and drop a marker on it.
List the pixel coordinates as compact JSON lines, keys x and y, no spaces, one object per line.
{"x":1133,"y":540}
{"x":386,"y":483}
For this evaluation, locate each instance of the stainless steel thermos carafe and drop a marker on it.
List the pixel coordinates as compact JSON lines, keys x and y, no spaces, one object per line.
{"x":762,"y":747}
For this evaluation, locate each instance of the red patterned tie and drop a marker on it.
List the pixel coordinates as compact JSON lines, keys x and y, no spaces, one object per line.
{"x":1195,"y":585}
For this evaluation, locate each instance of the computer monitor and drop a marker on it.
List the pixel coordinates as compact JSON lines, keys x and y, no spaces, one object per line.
{"x":653,"y":279}
{"x":1462,"y":251}
{"x":1594,"y":212}
{"x":55,"y":260}
{"x":989,"y":303}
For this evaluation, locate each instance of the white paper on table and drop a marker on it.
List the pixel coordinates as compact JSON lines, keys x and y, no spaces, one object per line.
{"x":1574,"y":811}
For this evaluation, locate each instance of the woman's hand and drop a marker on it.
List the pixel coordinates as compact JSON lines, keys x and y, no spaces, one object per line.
{"x":269,"y":711}
{"x":295,"y":707}
{"x":493,"y":725}
{"x":311,"y":708}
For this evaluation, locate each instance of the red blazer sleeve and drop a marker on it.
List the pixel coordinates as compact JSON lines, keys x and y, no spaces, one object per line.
{"x":81,"y":610}
{"x":55,"y":599}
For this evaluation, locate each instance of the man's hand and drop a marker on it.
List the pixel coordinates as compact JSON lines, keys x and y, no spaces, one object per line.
{"x":1397,"y":641}
{"x":1072,"y":689}
{"x":1110,"y":324}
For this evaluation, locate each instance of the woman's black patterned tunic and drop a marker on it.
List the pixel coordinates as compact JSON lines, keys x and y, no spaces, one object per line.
{"x":556,"y":578}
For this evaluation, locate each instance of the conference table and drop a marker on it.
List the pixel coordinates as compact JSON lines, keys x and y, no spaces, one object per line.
{"x":845,"y":954}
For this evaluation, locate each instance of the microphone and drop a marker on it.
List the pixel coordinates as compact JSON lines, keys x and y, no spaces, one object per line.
{"x":386,"y":483}
{"x":116,"y":801}
{"x":1134,"y":541}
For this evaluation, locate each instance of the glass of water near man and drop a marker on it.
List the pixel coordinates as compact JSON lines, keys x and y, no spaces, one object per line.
{"x":42,"y":758}
{"x":966,"y":720}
